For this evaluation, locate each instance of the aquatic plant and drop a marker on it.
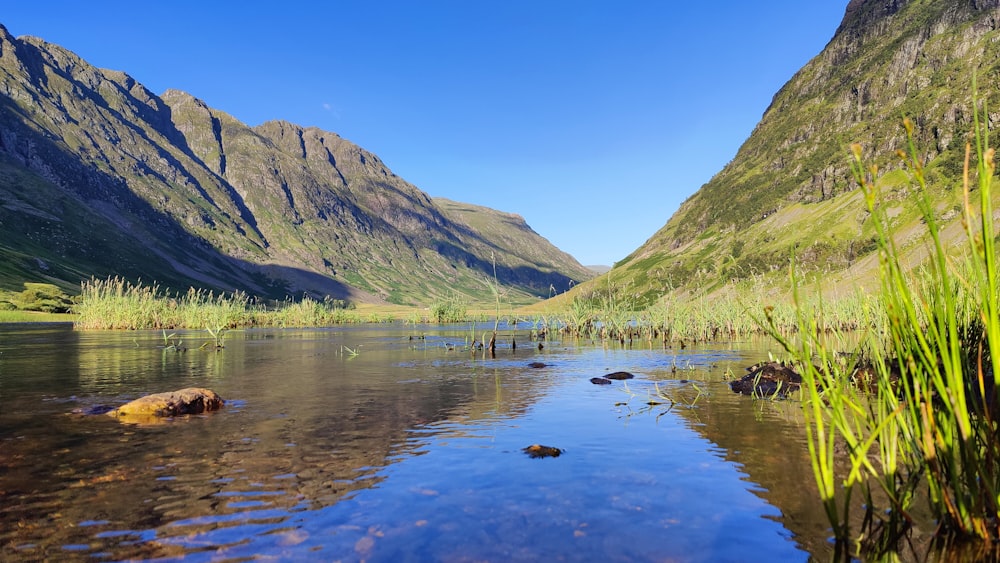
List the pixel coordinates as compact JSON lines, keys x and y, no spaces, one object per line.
{"x":918,"y":409}
{"x":116,"y":303}
{"x":218,"y":335}
{"x":452,"y":310}
{"x":170,"y":342}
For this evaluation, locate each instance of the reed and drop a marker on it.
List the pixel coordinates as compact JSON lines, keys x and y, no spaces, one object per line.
{"x":116,"y":303}
{"x":930,"y":352}
{"x":453,"y":310}
{"x":610,"y":313}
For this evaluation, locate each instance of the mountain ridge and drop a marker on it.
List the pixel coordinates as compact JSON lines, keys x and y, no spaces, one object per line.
{"x":789,"y":189}
{"x":192,"y":196}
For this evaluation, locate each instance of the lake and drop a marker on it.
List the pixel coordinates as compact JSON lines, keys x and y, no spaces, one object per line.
{"x":397,"y":443}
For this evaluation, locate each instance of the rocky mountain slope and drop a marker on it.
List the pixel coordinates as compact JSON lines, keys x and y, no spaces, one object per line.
{"x":99,"y":177}
{"x":789,"y":188}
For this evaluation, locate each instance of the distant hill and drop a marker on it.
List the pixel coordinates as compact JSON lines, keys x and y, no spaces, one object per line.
{"x":509,"y":232}
{"x":789,"y":190}
{"x":101,"y":177}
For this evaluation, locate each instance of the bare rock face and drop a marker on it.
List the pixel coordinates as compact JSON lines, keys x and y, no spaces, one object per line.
{"x":192,"y":400}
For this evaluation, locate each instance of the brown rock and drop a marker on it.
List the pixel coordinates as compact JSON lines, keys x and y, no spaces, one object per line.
{"x":538,"y":450}
{"x":192,"y":400}
{"x":619,"y":375}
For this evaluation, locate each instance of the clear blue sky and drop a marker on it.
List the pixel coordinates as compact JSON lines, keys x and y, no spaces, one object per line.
{"x":592,"y":119}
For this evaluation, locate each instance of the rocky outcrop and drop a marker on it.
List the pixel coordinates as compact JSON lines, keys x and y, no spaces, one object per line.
{"x":192,"y":400}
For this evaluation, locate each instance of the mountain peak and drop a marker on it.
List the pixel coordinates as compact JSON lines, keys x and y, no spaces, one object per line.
{"x":100,"y":177}
{"x":788,"y":189}
{"x":864,"y":13}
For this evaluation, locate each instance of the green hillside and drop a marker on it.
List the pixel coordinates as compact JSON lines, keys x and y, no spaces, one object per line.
{"x":789,"y":189}
{"x":101,"y":177}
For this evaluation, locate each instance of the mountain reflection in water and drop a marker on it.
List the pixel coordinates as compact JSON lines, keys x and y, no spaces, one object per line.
{"x":408,"y":450}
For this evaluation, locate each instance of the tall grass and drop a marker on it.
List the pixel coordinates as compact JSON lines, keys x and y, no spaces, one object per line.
{"x":611,"y":313}
{"x":452,"y":310}
{"x":931,"y":352}
{"x":116,"y":303}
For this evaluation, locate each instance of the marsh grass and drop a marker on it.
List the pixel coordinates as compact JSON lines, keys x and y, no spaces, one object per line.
{"x":614,"y":314}
{"x":452,"y":310}
{"x":14,"y":316}
{"x":925,"y":423}
{"x":116,"y":303}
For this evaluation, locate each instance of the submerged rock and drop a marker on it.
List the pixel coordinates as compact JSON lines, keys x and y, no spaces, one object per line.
{"x":93,"y":410}
{"x":619,"y":375}
{"x":606,"y":379}
{"x":767,"y":379}
{"x":192,"y":400}
{"x":538,"y":450}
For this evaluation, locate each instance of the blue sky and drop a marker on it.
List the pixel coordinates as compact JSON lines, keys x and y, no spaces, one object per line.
{"x":593,"y":120}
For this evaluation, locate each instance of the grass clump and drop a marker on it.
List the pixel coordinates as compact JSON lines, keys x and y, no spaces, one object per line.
{"x":453,"y":310}
{"x":927,"y":422}
{"x":116,"y":303}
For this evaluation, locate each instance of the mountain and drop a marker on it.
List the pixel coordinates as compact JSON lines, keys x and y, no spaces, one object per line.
{"x":789,"y":188}
{"x":101,"y":177}
{"x":511,"y":232}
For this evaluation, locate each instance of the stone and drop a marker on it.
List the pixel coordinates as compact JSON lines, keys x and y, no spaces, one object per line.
{"x":768,"y":379}
{"x":192,"y":400}
{"x":619,"y":375}
{"x":538,"y":450}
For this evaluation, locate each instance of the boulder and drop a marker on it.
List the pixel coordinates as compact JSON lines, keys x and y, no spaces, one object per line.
{"x":768,"y":379}
{"x":192,"y":400}
{"x":619,"y":375}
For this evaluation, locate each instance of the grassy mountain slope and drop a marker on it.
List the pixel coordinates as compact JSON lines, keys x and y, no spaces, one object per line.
{"x":789,"y":187}
{"x":98,"y":176}
{"x":510,"y":231}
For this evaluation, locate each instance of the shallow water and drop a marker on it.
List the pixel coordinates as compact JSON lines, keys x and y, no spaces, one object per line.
{"x":410,"y":450}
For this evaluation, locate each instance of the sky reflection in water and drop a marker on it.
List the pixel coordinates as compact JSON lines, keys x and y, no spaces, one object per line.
{"x":402,"y":453}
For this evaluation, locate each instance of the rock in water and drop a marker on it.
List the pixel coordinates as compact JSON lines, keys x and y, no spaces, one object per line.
{"x":538,"y":450}
{"x":768,"y":379}
{"x":619,"y":375}
{"x":192,"y":400}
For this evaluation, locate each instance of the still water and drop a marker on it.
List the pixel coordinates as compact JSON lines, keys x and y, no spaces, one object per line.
{"x":408,"y":449}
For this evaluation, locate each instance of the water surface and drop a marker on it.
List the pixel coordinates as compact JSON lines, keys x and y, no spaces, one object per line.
{"x":408,"y":450}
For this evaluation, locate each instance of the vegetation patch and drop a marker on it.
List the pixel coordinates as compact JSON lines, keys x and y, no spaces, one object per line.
{"x":916,"y":409}
{"x":41,"y":297}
